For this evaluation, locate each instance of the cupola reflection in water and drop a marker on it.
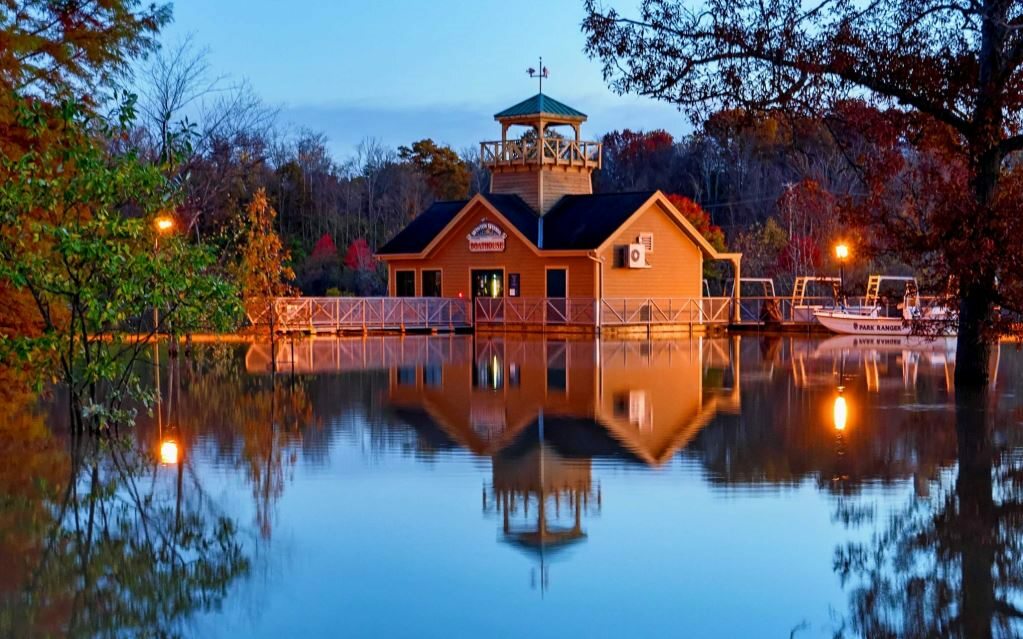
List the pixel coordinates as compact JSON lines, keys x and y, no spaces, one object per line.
{"x":418,"y":485}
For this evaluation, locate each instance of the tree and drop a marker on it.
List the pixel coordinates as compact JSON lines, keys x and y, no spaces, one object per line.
{"x":51,"y":49}
{"x":360,"y":274}
{"x":77,"y":234}
{"x":446,"y":173}
{"x":699,"y":218}
{"x":321,"y":271}
{"x":953,"y":67}
{"x":762,"y":247}
{"x":635,"y":160}
{"x":263,"y":272}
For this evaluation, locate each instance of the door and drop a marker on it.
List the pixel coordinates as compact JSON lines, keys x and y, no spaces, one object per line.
{"x":557,"y":292}
{"x":487,"y":294}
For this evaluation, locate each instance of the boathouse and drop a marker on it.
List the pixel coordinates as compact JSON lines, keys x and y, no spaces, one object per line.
{"x":541,"y":248}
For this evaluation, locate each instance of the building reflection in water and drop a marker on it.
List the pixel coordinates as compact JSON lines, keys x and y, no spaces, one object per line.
{"x":847,"y":412}
{"x":542,"y":409}
{"x":540,"y":497}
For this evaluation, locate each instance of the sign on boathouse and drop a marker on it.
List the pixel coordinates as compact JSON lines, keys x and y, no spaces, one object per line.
{"x":487,"y":237}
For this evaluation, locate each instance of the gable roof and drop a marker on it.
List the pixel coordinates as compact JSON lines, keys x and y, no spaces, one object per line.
{"x":426,"y":226}
{"x":575,"y":223}
{"x":517,"y":212}
{"x":583,"y":222}
{"x":540,"y":104}
{"x":423,"y":228}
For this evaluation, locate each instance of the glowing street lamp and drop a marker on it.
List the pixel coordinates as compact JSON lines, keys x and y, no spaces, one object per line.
{"x":842,"y":254}
{"x":169,"y":452}
{"x":164,"y":224}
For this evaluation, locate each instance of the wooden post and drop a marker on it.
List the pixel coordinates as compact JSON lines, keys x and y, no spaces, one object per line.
{"x":736,"y":290}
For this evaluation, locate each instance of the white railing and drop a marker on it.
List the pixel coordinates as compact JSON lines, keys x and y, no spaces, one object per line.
{"x":546,"y":151}
{"x":801,"y":311}
{"x":319,"y":314}
{"x":535,"y":310}
{"x":662,"y":311}
{"x":605,"y":312}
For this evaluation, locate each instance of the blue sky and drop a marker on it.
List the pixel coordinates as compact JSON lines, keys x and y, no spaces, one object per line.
{"x":400,"y":70}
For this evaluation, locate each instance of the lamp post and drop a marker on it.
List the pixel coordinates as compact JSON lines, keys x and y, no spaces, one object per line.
{"x":842,"y":254}
{"x":164,"y":224}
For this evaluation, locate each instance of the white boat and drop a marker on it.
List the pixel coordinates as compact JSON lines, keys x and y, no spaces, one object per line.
{"x":870,"y":319}
{"x":857,"y":323}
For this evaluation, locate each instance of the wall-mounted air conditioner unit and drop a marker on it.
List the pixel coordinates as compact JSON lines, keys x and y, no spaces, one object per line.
{"x":636,"y":256}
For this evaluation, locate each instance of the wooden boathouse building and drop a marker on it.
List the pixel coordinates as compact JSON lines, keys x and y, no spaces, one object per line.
{"x":541,"y":249}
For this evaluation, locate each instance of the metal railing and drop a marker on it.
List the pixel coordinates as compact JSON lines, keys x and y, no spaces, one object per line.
{"x":321,"y":314}
{"x":535,"y":310}
{"x":605,"y":312}
{"x":669,"y":310}
{"x":801,"y":311}
{"x":546,"y":151}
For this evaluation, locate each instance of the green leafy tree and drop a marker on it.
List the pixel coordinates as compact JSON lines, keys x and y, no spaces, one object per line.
{"x":77,"y":234}
{"x":446,"y":174}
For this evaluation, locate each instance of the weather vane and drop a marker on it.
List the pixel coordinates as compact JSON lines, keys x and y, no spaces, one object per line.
{"x":541,"y":74}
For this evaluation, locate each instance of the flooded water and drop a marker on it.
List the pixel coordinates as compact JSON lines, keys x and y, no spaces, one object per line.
{"x":505,"y":487}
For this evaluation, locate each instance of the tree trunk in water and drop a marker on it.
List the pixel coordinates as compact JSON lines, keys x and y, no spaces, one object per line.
{"x":973,"y":350}
{"x":976,"y":516}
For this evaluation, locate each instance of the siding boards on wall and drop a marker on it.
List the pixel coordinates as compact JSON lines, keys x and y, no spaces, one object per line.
{"x":568,"y":182}
{"x":676,"y":264}
{"x":452,"y":256}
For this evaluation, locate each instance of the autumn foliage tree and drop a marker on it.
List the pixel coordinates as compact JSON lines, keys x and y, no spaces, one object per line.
{"x":263,"y":272}
{"x":952,"y":70}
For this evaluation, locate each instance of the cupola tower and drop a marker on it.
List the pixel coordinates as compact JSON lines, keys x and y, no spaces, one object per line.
{"x":542,"y":165}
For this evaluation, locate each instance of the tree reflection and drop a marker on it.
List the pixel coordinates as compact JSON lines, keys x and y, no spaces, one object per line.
{"x":259,"y":423}
{"x":100,"y":547}
{"x":949,"y":565}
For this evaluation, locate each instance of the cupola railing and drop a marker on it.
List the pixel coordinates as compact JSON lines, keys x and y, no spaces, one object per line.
{"x":549,"y":151}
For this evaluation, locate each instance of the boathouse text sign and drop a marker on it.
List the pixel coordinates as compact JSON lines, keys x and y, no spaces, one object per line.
{"x":487,"y":237}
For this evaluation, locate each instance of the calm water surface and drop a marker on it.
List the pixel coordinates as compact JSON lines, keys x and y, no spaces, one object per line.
{"x":505,"y":487}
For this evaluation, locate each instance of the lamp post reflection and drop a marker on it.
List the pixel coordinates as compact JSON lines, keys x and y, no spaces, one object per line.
{"x":840,"y":413}
{"x":169,"y":452}
{"x":172,"y":453}
{"x":840,"y":421}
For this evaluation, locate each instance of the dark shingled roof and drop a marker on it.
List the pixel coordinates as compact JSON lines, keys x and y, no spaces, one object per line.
{"x":539,"y":104}
{"x":516,"y":211}
{"x":576,"y":222}
{"x":583,"y":222}
{"x":421,"y":230}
